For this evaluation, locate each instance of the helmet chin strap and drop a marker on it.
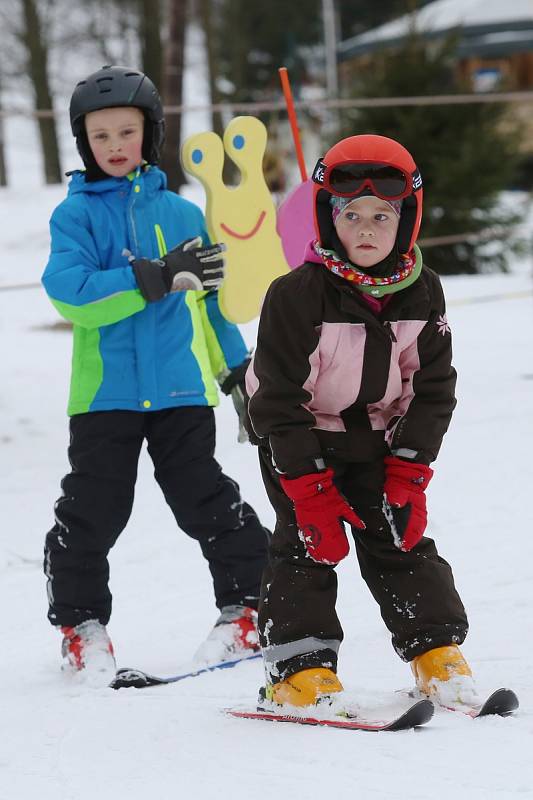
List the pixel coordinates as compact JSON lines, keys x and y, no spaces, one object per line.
{"x":92,"y":171}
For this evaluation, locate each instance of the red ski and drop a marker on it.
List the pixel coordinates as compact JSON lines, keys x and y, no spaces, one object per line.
{"x":417,"y":714}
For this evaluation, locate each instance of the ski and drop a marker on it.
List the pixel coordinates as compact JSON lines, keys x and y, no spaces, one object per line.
{"x":418,"y":714}
{"x":128,"y":678}
{"x":501,"y":703}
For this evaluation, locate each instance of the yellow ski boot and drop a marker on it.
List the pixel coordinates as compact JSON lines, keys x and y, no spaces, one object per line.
{"x":443,"y":675}
{"x":304,"y":688}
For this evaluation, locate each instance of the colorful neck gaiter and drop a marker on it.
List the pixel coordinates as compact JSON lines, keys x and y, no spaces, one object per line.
{"x":404,"y":275}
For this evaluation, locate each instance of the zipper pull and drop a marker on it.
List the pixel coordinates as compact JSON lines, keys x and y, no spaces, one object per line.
{"x":388,"y":326}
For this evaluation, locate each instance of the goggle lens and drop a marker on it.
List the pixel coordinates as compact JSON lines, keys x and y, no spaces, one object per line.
{"x":349,"y":179}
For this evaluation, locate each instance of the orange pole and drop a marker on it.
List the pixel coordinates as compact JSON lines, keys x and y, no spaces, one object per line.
{"x":287,"y":93}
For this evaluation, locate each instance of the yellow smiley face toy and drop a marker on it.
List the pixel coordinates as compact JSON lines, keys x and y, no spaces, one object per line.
{"x":242,"y":216}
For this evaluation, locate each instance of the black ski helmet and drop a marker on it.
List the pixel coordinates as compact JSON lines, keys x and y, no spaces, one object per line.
{"x":113,"y":86}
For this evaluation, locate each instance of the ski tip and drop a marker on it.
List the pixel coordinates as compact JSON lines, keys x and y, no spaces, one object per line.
{"x":501,"y":703}
{"x":418,"y":714}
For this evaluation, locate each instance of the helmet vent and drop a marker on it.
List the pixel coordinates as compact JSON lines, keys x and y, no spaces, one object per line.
{"x":106,"y":87}
{"x":132,"y":74}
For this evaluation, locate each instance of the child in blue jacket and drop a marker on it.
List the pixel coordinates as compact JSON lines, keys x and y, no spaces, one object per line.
{"x":146,"y":358}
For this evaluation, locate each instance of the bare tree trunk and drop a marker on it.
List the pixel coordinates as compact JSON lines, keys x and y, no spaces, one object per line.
{"x":173,"y":92}
{"x":150,"y":34}
{"x":38,"y":72}
{"x":3,"y":170}
{"x":236,"y":11}
{"x":206,"y":12}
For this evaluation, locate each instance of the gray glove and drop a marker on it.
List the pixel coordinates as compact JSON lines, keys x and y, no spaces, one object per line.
{"x":232,"y":381}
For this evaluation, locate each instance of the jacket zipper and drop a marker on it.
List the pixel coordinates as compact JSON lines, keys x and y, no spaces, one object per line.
{"x":161,"y":244}
{"x":133,"y":228}
{"x":388,"y":327}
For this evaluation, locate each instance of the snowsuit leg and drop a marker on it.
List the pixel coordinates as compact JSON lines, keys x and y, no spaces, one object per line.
{"x":415,"y":591}
{"x":206,"y":503}
{"x":298,"y":625}
{"x":91,"y":513}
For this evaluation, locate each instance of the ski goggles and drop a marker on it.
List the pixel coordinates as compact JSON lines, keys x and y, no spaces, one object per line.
{"x":349,"y":179}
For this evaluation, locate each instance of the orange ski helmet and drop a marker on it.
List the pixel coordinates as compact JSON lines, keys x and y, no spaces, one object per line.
{"x":372,"y":165}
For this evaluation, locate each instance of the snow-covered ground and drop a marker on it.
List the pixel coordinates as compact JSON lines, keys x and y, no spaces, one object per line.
{"x":66,"y":742}
{"x":63,"y":741}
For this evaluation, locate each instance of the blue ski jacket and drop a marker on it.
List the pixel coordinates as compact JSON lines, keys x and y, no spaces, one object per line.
{"x":128,"y":354}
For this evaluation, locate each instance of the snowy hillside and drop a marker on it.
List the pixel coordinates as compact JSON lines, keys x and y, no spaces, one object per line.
{"x":62,"y":741}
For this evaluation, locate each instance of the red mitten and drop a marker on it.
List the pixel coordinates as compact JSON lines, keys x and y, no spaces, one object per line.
{"x":405,"y":484}
{"x":320,"y":511}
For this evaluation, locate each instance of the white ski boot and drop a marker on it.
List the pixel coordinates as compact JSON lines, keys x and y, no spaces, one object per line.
{"x":234,"y":637}
{"x":87,"y":649}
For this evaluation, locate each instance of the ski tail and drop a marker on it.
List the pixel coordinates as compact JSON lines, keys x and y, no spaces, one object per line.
{"x":128,"y":678}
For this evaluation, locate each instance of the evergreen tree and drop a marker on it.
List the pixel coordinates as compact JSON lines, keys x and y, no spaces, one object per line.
{"x":356,"y":18}
{"x":254,"y":39}
{"x":246,"y":43}
{"x":467,"y":153}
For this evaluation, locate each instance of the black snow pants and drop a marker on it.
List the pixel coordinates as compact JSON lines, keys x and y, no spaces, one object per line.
{"x":97,"y":501}
{"x":415,"y":591}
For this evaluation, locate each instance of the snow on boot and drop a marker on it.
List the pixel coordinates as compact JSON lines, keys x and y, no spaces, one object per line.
{"x":443,"y":675}
{"x":87,"y":649}
{"x":234,"y":636}
{"x":305,"y":688}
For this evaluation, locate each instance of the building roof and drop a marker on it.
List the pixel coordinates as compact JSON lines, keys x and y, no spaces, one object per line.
{"x":488,"y":27}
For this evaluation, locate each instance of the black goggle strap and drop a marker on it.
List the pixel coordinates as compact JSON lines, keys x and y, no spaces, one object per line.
{"x":319,"y":173}
{"x":417,"y":180}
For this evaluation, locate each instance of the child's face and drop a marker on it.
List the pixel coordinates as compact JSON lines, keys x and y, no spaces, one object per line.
{"x":115,"y":137}
{"x":367,"y":228}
